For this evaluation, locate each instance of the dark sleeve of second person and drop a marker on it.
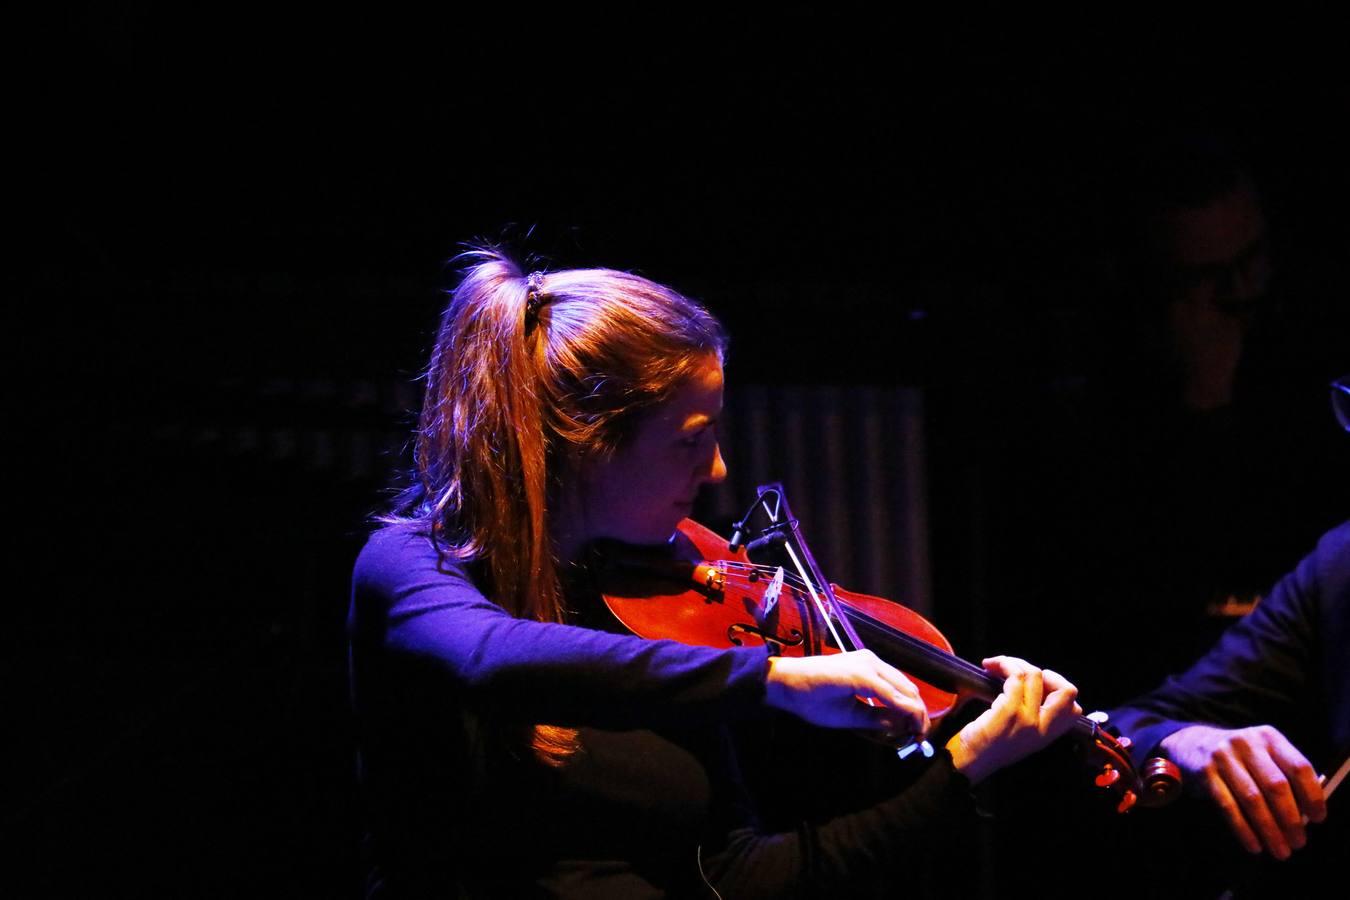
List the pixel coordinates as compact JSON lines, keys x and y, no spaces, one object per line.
{"x":1284,"y":665}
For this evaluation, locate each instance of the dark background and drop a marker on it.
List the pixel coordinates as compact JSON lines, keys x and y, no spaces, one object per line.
{"x":235,"y":228}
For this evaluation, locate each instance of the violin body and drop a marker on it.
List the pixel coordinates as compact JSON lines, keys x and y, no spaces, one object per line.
{"x":706,"y":595}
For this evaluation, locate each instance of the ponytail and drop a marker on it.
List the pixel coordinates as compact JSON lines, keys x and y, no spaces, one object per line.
{"x":481,"y":453}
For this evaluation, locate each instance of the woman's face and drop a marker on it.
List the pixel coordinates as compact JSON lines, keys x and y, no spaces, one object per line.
{"x":642,"y":492}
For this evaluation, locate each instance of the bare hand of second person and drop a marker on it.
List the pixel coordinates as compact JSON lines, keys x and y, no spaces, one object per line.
{"x":1262,"y":784}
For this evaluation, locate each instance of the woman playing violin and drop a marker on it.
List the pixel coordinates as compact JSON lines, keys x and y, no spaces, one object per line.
{"x":512,"y":743}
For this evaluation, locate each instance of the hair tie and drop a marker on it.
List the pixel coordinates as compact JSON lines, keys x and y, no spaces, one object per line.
{"x":534,"y":298}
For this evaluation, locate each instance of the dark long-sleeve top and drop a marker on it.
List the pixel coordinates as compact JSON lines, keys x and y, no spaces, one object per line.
{"x":1286,"y":664}
{"x":445,"y":686}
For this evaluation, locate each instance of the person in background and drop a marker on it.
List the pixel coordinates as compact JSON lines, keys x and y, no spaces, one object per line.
{"x":1191,"y":463}
{"x":1258,"y":722}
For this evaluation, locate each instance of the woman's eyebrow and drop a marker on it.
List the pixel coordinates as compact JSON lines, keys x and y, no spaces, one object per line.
{"x":698,"y":421}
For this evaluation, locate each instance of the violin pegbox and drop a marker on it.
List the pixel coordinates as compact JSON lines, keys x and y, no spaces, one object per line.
{"x":1159,"y":779}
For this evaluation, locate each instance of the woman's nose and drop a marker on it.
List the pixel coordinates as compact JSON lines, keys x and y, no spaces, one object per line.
{"x":717,"y":472}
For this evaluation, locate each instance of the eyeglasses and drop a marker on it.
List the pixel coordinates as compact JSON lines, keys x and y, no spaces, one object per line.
{"x":1340,"y":400}
{"x":1240,"y":280}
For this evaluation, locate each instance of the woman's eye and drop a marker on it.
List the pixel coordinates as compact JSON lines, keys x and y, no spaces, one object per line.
{"x":700,"y":437}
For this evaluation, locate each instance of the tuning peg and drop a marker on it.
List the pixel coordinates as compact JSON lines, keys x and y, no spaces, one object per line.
{"x":1127,"y":800}
{"x":1109,"y":776}
{"x":1162,"y":781}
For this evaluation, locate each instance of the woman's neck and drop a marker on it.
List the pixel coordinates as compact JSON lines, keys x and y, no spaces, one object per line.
{"x":567,"y":528}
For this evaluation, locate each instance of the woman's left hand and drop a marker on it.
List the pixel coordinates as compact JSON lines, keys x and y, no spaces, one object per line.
{"x":1036,"y":707}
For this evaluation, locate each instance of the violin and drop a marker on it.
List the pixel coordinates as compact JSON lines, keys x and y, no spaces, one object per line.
{"x":704,"y":589}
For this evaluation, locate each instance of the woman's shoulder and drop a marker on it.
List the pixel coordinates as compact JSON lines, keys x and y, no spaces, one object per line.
{"x":395,"y":539}
{"x":401,"y":575}
{"x":396,"y":552}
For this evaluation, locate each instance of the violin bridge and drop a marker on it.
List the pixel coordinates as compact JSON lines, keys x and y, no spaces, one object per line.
{"x":770,"y":600}
{"x":765,"y":628}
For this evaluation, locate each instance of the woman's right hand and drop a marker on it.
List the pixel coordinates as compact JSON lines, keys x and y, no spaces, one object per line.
{"x":847,"y":690}
{"x":1036,"y":707}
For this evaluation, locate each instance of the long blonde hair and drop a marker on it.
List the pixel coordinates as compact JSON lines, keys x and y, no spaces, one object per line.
{"x":529,"y":377}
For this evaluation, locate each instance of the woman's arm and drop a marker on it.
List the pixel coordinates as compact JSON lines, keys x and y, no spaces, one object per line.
{"x":409,"y":603}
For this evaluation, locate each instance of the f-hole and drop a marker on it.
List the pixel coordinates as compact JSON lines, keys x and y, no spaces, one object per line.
{"x":794,"y":638}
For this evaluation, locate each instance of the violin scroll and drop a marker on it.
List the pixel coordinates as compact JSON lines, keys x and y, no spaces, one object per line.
{"x":1156,"y":783}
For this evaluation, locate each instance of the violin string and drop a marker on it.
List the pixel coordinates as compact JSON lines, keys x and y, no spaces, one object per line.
{"x":789,"y":578}
{"x":918,"y":643}
{"x":923,"y":647}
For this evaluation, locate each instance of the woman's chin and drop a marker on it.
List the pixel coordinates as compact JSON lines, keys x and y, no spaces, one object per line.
{"x":659,"y":534}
